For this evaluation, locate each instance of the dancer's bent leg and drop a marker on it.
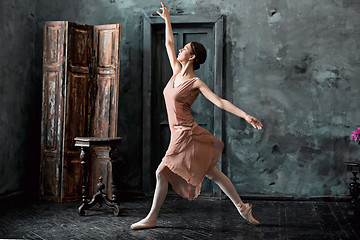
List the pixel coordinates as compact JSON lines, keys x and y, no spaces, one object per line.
{"x":228,"y":188}
{"x":159,"y":196}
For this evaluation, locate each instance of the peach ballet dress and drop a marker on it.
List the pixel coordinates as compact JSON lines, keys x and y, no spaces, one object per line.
{"x":193,"y":150}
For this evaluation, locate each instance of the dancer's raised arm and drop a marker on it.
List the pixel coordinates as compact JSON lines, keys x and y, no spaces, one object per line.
{"x":169,"y":39}
{"x":225,"y":104}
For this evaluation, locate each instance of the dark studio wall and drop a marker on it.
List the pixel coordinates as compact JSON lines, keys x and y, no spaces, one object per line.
{"x":20,"y":95}
{"x":292,"y":64}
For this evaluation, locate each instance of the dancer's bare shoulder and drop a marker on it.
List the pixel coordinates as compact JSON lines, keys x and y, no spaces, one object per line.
{"x":198,"y":84}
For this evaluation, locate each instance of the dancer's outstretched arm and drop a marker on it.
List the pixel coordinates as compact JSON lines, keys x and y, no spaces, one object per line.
{"x":225,"y":104}
{"x":169,"y":39}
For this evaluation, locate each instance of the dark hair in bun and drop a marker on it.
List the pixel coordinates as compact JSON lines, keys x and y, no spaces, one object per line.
{"x":200,"y":54}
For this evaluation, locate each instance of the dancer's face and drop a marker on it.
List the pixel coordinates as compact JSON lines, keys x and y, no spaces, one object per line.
{"x":185,"y":54}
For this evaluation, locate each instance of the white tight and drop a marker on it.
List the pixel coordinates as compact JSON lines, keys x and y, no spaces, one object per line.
{"x":225,"y":184}
{"x":214,"y":174}
{"x":161,"y":190}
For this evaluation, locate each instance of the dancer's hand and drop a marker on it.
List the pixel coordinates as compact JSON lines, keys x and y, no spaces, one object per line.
{"x":165,"y":12}
{"x":254,"y":122}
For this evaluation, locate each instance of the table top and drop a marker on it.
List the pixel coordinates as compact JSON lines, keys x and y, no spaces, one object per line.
{"x":353,"y":167}
{"x":97,"y":141}
{"x":355,"y":163}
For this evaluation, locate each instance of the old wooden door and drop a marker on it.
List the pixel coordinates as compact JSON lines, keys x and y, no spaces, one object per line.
{"x":202,"y":110}
{"x":79,"y":54}
{"x":52,"y":109}
{"x":104,"y":104}
{"x":186,"y":29}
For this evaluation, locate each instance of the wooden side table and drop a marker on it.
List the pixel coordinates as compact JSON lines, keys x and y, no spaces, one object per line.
{"x":354,"y":186}
{"x":99,"y":197}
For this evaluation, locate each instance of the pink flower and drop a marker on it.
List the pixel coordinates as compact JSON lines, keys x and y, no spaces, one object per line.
{"x":358,"y":131}
{"x":353,"y":135}
{"x":356,"y":135}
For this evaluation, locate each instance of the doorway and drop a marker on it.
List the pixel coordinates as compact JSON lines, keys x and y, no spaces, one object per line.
{"x":157,"y":72}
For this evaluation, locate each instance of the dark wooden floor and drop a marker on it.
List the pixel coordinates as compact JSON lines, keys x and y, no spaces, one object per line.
{"x":204,"y":218}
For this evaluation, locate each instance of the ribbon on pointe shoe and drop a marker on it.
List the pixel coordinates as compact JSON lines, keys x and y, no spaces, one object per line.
{"x":245,"y":211}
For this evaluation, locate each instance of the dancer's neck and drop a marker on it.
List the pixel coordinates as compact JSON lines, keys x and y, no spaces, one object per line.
{"x":187,"y":70}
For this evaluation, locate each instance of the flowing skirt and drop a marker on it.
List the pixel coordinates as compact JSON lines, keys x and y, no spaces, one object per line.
{"x":193,"y":152}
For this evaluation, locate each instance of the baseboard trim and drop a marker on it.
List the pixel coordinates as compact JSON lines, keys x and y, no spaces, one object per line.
{"x":325,"y":198}
{"x":131,"y":194}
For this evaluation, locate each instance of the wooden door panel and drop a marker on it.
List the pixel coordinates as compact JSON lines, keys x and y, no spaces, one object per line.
{"x":107,"y":38}
{"x":107,"y":66}
{"x":102,"y":120}
{"x":106,"y":41}
{"x":77,"y":85}
{"x":105,"y":102}
{"x":51,"y":186}
{"x":52,"y":110}
{"x":72,"y":181}
{"x":75,"y":125}
{"x":80,"y":48}
{"x":76,"y":111}
{"x":53,"y":43}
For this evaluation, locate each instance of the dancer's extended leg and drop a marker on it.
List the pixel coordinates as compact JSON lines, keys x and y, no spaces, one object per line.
{"x":228,"y":188}
{"x":159,"y":196}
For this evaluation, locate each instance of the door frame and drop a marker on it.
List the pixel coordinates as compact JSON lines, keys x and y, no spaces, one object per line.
{"x":217,"y":23}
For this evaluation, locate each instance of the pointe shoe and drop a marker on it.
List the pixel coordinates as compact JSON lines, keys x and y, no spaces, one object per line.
{"x":245,"y":211}
{"x":143,"y":224}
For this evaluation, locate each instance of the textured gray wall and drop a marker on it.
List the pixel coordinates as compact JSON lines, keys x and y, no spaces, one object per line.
{"x":292,"y":64}
{"x":298,"y":71}
{"x":20,"y":94}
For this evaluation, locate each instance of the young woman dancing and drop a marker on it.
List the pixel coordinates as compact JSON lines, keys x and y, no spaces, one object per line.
{"x":193,"y":152}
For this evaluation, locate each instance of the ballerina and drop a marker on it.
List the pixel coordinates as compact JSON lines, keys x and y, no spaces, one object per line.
{"x":193,"y":152}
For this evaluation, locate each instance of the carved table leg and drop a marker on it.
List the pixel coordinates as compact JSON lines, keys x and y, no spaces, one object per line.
{"x":84,"y":183}
{"x":113,"y":159}
{"x":100,"y":197}
{"x":97,"y":198}
{"x":354,"y":189}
